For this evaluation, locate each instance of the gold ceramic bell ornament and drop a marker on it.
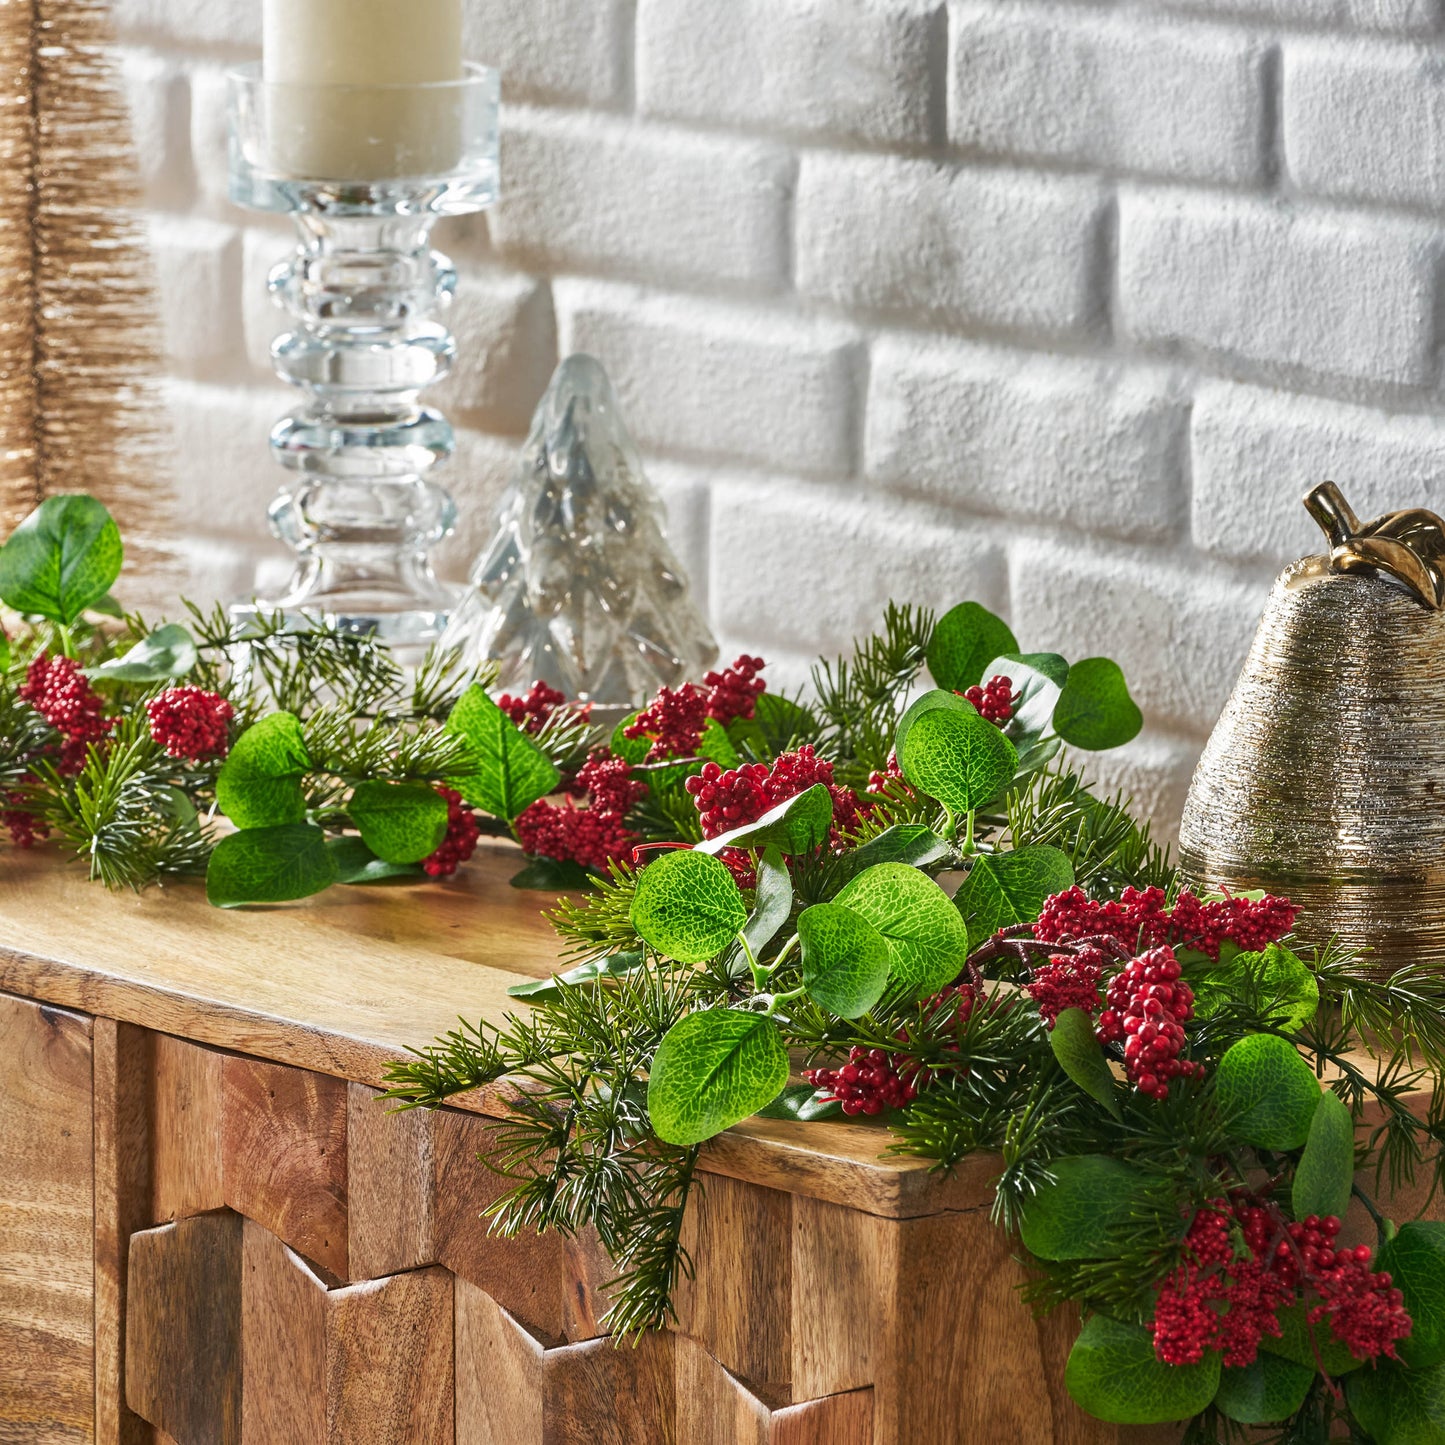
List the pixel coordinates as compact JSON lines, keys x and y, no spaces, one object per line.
{"x":1324,"y":779}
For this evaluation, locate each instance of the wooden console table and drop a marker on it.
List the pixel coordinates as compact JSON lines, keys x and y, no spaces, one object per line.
{"x":210,"y":1231}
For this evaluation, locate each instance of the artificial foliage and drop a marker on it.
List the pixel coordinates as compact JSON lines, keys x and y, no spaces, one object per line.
{"x":905,"y":881}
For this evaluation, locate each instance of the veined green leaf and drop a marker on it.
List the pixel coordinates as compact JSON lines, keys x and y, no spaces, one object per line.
{"x":167,"y":652}
{"x":846,"y":960}
{"x":927,"y":937}
{"x":614,"y":965}
{"x":1398,"y":1405}
{"x":399,"y":822}
{"x":1079,"y":1214}
{"x":958,"y":758}
{"x":1270,"y":1389}
{"x":269,"y":865}
{"x":797,"y":825}
{"x":772,"y":901}
{"x":712,"y":1069}
{"x":966,"y":637}
{"x":511,"y":772}
{"x":1081,"y":1056}
{"x":1266,"y":1093}
{"x":687,"y":906}
{"x":62,"y":558}
{"x":1095,"y":710}
{"x":1326,"y":1170}
{"x":1114,"y":1374}
{"x":1007,"y":888}
{"x":1415,"y":1261}
{"x":259,"y":785}
{"x":356,"y":863}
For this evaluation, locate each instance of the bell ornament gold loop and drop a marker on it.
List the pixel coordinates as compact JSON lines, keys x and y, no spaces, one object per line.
{"x":1324,"y":778}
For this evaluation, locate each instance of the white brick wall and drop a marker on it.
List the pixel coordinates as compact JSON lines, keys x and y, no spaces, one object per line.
{"x":1052,"y":303}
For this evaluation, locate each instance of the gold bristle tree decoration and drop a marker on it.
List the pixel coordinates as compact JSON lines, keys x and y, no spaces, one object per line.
{"x":79,"y":361}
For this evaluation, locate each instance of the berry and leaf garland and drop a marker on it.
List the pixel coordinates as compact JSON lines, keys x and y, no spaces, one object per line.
{"x":1194,"y":1111}
{"x":125,"y":744}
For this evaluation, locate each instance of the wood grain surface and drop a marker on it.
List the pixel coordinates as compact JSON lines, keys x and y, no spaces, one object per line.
{"x":511,"y":1390}
{"x":391,"y":1220}
{"x":123,"y":1072}
{"x":47,"y":1300}
{"x":185,"y":1118}
{"x":283,"y":1151}
{"x":346,"y":982}
{"x":183,"y":1328}
{"x":330,"y":1364}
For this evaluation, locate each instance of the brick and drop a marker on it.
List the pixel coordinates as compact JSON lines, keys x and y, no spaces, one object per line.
{"x":159,"y":101}
{"x":812,"y":570}
{"x":1124,"y":92}
{"x":705,"y":379}
{"x":209,"y":134}
{"x":991,"y":248}
{"x":1393,"y":16}
{"x":215,"y":569}
{"x":1320,"y":293}
{"x":198,"y":269}
{"x":1151,"y":774}
{"x":1094,"y":444}
{"x":1256,"y":452}
{"x":569,"y":50}
{"x":1180,"y":633}
{"x":686,"y":494}
{"x":221,"y":432}
{"x":647,"y":202}
{"x":852,"y":69}
{"x":506,"y":350}
{"x":476,"y":475}
{"x":190,"y":22}
{"x":1362,"y":120}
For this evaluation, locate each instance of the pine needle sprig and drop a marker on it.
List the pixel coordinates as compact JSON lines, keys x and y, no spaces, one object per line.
{"x":355,"y":749}
{"x":464,"y":1058}
{"x":599,"y":922}
{"x":858,"y":698}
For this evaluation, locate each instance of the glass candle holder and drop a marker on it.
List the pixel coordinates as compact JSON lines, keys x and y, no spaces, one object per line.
{"x":364,"y":171}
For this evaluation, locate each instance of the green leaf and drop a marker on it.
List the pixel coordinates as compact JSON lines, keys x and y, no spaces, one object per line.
{"x":1081,"y":1056}
{"x":1007,"y":888}
{"x":1270,"y":1389}
{"x":963,"y":641}
{"x":270,"y":865}
{"x":107,"y":606}
{"x":1398,"y":1405}
{"x":958,"y":758}
{"x":1095,"y":710}
{"x":1114,"y":1374}
{"x":772,"y":901}
{"x":552,"y":875}
{"x":259,"y":785}
{"x":631,"y":750}
{"x":614,"y":965}
{"x":712,"y":1069}
{"x":1283,"y":978}
{"x":1037,"y":679}
{"x":1326,"y":1170}
{"x":936,"y":699}
{"x":1415,"y":1261}
{"x":356,"y":863}
{"x":927,"y":937}
{"x":686,"y":905}
{"x":797,"y":825}
{"x":1266,"y":1093}
{"x":717,"y":746}
{"x":782,"y":723}
{"x":4,"y":650}
{"x":1081,"y":1212}
{"x":1301,"y":1342}
{"x":167,"y":652}
{"x":399,"y":822}
{"x":845,"y":959}
{"x":60,"y":559}
{"x":801,"y":1103}
{"x":511,"y":772}
{"x":913,"y":843}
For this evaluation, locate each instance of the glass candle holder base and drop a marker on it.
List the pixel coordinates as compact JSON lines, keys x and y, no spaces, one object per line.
{"x":364,"y":172}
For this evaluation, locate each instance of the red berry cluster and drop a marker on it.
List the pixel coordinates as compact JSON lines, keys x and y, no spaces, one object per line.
{"x":673,"y":720}
{"x":1223,"y":1299}
{"x":593,"y":835}
{"x":874,"y":1080}
{"x":1139,"y":920}
{"x":532,"y":712}
{"x":1147,"y":1007}
{"x":732,"y":799}
{"x":461,"y":839}
{"x":25,"y":828}
{"x":1069,"y":981}
{"x":189,"y":722}
{"x":57,"y":689}
{"x":994,"y":700}
{"x":734,"y":691}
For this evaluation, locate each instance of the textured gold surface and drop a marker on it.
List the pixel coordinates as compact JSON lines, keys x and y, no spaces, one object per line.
{"x":1324,"y":778}
{"x":78,"y":325}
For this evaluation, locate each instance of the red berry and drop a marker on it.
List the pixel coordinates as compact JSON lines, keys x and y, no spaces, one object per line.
{"x":57,"y":689}
{"x":673,"y":720}
{"x":189,"y":722}
{"x":461,"y":839}
{"x":532,"y":712}
{"x":733,"y":692}
{"x":994,"y":700}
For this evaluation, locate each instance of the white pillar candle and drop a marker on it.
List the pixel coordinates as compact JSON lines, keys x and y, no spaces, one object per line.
{"x":327,"y":122}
